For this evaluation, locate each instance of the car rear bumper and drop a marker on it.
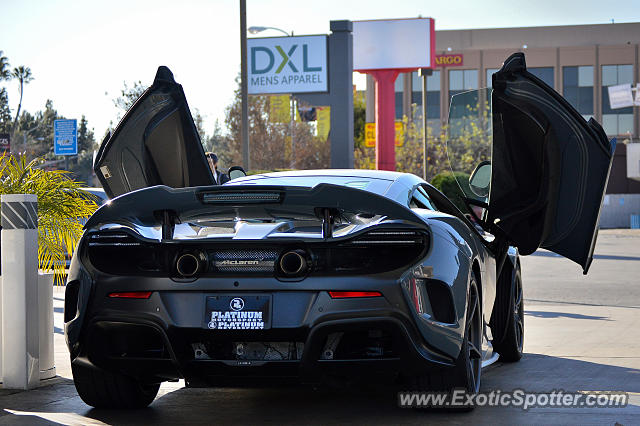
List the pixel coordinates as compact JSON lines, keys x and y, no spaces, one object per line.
{"x":154,"y":339}
{"x":174,"y":361}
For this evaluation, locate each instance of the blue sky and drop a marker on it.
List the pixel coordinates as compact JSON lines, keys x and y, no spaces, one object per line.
{"x":81,"y":52}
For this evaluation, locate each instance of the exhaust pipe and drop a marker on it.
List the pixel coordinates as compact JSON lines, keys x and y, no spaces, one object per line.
{"x":187,"y":265}
{"x":294,"y":263}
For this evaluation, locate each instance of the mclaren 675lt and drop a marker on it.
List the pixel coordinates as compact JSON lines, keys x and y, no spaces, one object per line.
{"x":316,"y":274}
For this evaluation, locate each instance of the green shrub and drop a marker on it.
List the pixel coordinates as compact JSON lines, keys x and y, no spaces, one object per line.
{"x":449,"y":184}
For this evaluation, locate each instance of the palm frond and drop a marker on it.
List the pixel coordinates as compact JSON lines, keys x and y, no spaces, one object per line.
{"x":62,"y":206}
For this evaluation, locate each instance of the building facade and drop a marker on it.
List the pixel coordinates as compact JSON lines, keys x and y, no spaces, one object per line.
{"x":579,"y":61}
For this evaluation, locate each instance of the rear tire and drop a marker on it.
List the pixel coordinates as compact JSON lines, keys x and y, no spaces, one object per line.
{"x":512,"y":344}
{"x":104,"y":389}
{"x":467,"y":371}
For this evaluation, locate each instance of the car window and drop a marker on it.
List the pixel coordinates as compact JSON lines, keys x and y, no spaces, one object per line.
{"x":421,"y":200}
{"x":375,"y":185}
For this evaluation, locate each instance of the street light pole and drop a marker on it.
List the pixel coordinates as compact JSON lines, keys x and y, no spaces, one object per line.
{"x":244,"y":130}
{"x":424,"y":73}
{"x":256,"y":30}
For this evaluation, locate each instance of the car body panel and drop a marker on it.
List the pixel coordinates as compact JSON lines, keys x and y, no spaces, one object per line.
{"x":301,"y":306}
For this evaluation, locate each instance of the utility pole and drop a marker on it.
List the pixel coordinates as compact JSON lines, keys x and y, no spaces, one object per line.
{"x":292,"y":128}
{"x":424,"y":73}
{"x":244,"y":129}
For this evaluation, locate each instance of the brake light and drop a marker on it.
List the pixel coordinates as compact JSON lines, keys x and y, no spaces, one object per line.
{"x":349,"y":294}
{"x":132,"y":294}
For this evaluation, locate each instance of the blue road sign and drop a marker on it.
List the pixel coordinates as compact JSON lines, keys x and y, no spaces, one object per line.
{"x":65,"y":137}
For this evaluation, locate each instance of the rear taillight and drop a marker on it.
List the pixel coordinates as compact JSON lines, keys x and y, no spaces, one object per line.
{"x":122,"y":253}
{"x":131,"y":294}
{"x":371,"y":253}
{"x":390,"y":237}
{"x":353,"y":294}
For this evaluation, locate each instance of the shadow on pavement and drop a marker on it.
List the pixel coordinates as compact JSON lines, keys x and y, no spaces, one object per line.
{"x":596,"y":256}
{"x":373,"y":405}
{"x":547,"y":314}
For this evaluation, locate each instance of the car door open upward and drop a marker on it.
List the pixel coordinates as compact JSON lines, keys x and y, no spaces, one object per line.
{"x":156,"y":143}
{"x":548,"y":166}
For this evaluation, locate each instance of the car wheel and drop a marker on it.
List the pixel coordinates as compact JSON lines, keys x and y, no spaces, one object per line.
{"x":472,"y":344}
{"x":104,"y":389}
{"x":467,"y":371}
{"x":511,"y":346}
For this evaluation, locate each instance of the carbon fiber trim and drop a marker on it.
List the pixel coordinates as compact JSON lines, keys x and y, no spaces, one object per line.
{"x":243,"y":260}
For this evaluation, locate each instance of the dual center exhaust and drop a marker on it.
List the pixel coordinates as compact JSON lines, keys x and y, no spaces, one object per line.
{"x":291,"y":264}
{"x":294,"y":263}
{"x":189,"y":264}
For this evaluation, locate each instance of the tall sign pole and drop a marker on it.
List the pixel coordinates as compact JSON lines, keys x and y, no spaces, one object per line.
{"x":384,"y":49}
{"x":424,"y":73}
{"x":385,"y":118}
{"x":244,"y":130}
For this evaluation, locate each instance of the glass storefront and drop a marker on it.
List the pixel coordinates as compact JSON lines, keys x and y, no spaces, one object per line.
{"x":544,"y":73}
{"x":617,"y":121}
{"x":433,"y":99}
{"x":399,"y":88}
{"x":577,"y":88}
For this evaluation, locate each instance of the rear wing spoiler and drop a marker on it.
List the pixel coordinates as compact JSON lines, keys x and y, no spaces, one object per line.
{"x":164,"y":206}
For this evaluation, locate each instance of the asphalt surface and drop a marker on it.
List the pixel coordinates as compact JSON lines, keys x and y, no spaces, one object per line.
{"x":582,"y":334}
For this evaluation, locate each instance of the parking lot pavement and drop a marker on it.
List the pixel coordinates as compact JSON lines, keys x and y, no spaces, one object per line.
{"x":582,"y":334}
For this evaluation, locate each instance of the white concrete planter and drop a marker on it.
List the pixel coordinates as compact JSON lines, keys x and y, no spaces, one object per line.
{"x":45,"y":325}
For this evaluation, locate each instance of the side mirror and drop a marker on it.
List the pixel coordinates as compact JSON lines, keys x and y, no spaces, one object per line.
{"x":236,"y":172}
{"x":480,"y":179}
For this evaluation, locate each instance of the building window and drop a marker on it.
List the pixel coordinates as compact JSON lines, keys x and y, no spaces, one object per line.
{"x":464,"y":109}
{"x":462,"y":81}
{"x":617,"y":121}
{"x":543,"y":73}
{"x":577,"y":88}
{"x":490,"y":72}
{"x":433,"y":99}
{"x":399,"y":87}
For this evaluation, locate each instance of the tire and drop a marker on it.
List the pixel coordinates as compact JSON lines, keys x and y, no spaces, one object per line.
{"x":512,"y":303}
{"x":104,"y":389}
{"x":468,"y":368}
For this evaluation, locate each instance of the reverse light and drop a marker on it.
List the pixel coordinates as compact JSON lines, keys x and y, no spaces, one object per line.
{"x":131,"y":294}
{"x":350,"y":294}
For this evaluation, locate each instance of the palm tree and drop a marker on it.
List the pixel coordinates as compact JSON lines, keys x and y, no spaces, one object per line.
{"x":24,"y":76}
{"x":62,"y":206}
{"x":5,"y":74}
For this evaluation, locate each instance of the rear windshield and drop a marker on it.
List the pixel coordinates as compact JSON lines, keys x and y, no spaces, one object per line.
{"x":377,"y":186}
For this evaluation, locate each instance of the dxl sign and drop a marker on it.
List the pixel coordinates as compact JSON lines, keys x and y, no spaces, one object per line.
{"x":287,"y":65}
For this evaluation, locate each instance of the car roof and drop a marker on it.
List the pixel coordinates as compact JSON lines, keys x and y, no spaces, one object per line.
{"x":361,"y":173}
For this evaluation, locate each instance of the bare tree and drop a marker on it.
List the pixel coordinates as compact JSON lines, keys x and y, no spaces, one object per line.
{"x":129,"y":95}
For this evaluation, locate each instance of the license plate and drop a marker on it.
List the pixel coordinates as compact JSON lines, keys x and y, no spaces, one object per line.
{"x":233,"y":312}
